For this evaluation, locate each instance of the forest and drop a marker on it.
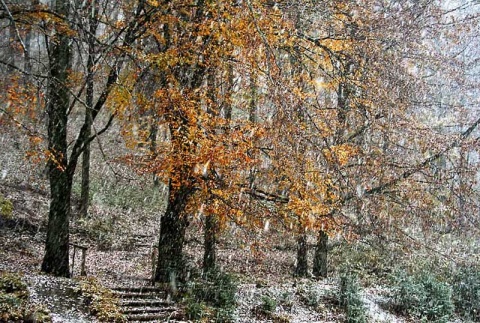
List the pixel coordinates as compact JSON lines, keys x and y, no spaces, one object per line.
{"x":239,"y":161}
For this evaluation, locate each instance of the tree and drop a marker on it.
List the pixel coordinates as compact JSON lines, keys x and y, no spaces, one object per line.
{"x":307,"y":114}
{"x":93,"y":22}
{"x":358,"y":144}
{"x":204,"y":144}
{"x":56,"y":256}
{"x":190,"y":160}
{"x":61,"y":94}
{"x":388,"y":184}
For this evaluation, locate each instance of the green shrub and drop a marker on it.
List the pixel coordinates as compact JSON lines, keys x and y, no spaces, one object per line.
{"x":217,"y":289}
{"x":349,"y":297}
{"x":422,"y":296}
{"x":309,"y":296}
{"x":212,"y":297}
{"x":371,"y":262}
{"x":223,"y":315}
{"x":14,"y":304}
{"x":6,"y":207}
{"x":287,"y":300}
{"x":13,"y":283}
{"x":466,"y":292}
{"x":195,"y":310}
{"x":10,"y":308}
{"x":13,"y":296}
{"x":269,"y":304}
{"x":266,"y":310}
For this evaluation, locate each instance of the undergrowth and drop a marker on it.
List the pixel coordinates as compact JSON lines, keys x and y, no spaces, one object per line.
{"x":422,"y":296}
{"x":109,"y":230}
{"x":266,"y":310}
{"x":211,"y":298}
{"x":349,"y":297}
{"x":124,"y":195}
{"x":101,"y":301}
{"x":6,"y":207}
{"x":466,"y":292}
{"x":371,"y":262}
{"x":14,"y":305}
{"x":119,"y":211}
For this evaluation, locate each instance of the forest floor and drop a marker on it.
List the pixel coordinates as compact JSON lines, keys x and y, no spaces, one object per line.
{"x":121,"y":232}
{"x":262,"y":275}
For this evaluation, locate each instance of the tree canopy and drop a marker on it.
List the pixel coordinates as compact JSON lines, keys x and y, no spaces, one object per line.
{"x":329,"y":117}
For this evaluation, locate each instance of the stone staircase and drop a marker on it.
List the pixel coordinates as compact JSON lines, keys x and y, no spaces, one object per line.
{"x":147,"y":303}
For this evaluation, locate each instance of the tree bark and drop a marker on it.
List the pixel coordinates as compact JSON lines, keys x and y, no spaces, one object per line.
{"x":172,"y":237}
{"x":153,"y":144}
{"x":302,"y":256}
{"x":210,"y":234}
{"x":211,"y":220}
{"x":320,"y":258}
{"x":56,"y":259}
{"x":28,"y":40}
{"x":181,"y":184}
{"x":85,"y":189}
{"x":174,"y":222}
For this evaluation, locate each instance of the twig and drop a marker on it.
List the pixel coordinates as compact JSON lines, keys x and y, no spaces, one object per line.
{"x":12,"y":20}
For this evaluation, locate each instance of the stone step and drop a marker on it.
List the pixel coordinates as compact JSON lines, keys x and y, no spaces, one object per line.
{"x":148,"y":310}
{"x":144,"y":302}
{"x":146,"y":317}
{"x":165,"y":317}
{"x":137,"y":295}
{"x":138,"y":289}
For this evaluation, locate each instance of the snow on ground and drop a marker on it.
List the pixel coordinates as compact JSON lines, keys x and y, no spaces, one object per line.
{"x":59,"y":296}
{"x":374,"y":298}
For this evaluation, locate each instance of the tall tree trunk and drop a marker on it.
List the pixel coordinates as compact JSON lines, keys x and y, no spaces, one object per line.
{"x":252,"y":110}
{"x":172,"y":237}
{"x":227,"y":109}
{"x":28,"y":40}
{"x":56,"y":259}
{"x":211,"y":220}
{"x":181,"y":185}
{"x":210,"y":234}
{"x":11,"y":48}
{"x":27,"y":66}
{"x":344,"y":92}
{"x":85,"y":189}
{"x":174,"y":222}
{"x":302,"y":256}
{"x":320,"y":258}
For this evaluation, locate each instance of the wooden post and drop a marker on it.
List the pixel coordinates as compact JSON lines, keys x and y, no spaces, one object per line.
{"x":73,"y":259}
{"x":154,"y":259}
{"x":83,"y":271}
